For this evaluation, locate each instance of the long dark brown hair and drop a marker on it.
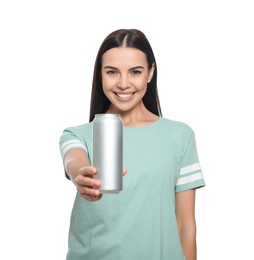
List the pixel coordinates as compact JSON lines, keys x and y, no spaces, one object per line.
{"x":128,"y":38}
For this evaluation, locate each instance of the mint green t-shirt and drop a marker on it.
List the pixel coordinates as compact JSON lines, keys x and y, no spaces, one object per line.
{"x":139,"y":223}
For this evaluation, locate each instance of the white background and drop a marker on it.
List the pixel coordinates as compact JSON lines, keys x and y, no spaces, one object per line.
{"x":205,"y":57}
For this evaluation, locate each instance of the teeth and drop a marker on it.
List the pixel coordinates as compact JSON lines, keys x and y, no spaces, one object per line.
{"x":124,"y":95}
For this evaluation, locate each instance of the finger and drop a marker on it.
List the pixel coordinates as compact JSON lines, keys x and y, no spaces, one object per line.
{"x":88,"y":171}
{"x":87,"y":181}
{"x":93,"y":183}
{"x":91,"y":198}
{"x":88,"y":191}
{"x":89,"y":194}
{"x":125,"y":171}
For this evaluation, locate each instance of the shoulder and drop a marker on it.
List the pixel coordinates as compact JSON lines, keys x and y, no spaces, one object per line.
{"x":80,"y":129}
{"x":75,"y":137}
{"x":178,"y":131}
{"x":176,"y":127}
{"x":81,"y":132}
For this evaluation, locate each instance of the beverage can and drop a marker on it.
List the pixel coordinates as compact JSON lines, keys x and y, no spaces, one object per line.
{"x":108,"y":151}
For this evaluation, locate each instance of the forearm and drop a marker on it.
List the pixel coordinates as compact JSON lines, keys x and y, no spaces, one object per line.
{"x":185,"y":214}
{"x":72,"y":168}
{"x":188,"y":241}
{"x":74,"y":161}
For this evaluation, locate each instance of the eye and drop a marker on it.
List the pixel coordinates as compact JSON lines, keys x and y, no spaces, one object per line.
{"x":111,"y":72}
{"x":135,"y":72}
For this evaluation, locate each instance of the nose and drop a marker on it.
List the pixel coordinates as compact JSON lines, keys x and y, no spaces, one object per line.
{"x":123,"y":82}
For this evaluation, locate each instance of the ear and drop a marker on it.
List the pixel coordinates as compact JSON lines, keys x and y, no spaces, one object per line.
{"x":150,"y":74}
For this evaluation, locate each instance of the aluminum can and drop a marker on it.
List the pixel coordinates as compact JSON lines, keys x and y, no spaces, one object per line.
{"x":108,"y":151}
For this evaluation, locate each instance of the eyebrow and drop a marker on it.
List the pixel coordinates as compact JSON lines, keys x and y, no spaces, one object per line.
{"x":133,"y":68}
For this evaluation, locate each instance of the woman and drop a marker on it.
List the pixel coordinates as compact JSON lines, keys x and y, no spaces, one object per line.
{"x":153,"y":217}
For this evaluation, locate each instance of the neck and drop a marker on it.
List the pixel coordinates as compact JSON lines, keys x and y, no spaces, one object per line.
{"x":140,"y":116}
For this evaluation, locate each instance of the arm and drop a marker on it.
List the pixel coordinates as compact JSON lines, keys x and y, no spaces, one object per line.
{"x":77,"y":167}
{"x":185,"y":215}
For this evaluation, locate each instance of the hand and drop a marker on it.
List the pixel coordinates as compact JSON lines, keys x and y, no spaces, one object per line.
{"x":87,"y":186}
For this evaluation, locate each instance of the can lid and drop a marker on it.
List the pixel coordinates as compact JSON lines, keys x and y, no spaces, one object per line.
{"x":107,"y":115}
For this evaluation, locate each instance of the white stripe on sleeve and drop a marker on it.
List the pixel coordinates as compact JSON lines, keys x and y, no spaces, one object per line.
{"x":68,"y":145}
{"x":190,"y":168}
{"x":190,"y":178}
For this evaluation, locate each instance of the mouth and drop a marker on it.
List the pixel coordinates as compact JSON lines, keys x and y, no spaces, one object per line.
{"x":124,"y":96}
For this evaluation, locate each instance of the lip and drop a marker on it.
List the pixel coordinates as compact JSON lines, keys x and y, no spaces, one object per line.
{"x":124,"y":96}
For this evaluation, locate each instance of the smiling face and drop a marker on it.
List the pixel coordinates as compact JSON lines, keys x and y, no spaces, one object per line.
{"x":125,"y":75}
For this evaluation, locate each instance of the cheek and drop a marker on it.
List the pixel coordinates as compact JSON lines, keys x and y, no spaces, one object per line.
{"x":105,"y":90}
{"x":108,"y":83}
{"x":142,"y":83}
{"x":105,"y":85}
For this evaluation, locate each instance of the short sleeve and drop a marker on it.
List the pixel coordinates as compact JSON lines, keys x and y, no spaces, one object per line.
{"x":190,"y":176}
{"x":68,"y":141}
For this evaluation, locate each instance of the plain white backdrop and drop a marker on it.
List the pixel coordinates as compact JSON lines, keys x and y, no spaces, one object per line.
{"x":205,"y":59}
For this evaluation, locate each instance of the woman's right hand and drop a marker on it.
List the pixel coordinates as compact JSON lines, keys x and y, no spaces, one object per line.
{"x":87,"y":186}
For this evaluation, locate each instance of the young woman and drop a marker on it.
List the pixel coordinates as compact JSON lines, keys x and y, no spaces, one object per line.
{"x":154,"y":216}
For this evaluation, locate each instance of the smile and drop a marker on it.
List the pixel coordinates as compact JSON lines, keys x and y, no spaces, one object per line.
{"x":124,"y":96}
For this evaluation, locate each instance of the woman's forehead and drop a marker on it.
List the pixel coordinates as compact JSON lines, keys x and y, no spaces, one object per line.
{"x":123,"y":55}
